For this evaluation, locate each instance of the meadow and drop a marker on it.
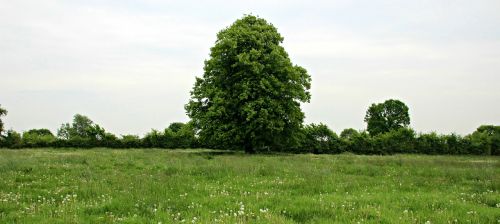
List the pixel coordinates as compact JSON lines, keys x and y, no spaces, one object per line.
{"x":209,"y":186}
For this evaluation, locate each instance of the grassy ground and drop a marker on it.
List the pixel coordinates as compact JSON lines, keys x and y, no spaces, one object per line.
{"x":201,"y":186}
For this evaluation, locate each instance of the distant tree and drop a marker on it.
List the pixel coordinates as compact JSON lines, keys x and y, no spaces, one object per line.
{"x":3,"y":112}
{"x":82,"y":128}
{"x":387,"y":116}
{"x":250,"y":93}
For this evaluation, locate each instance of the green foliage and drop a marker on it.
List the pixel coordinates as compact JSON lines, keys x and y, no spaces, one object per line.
{"x":361,"y":143}
{"x":81,"y":128}
{"x":250,"y":93}
{"x":177,"y":135}
{"x":38,"y":138}
{"x":12,"y":140}
{"x":396,"y":141}
{"x":82,"y":132}
{"x":176,"y":126}
{"x":318,"y":138}
{"x":110,"y":140}
{"x":180,"y":135}
{"x":313,"y":138}
{"x":486,"y":139}
{"x":348,"y":133}
{"x":130,"y":141}
{"x":153,"y":139}
{"x":387,"y":116}
{"x":3,"y":112}
{"x":455,"y":144}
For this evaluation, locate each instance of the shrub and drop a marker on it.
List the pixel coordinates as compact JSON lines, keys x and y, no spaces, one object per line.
{"x":38,"y":138}
{"x":153,"y":139}
{"x":430,"y":144}
{"x":486,"y":140}
{"x":319,"y":139}
{"x":12,"y":140}
{"x":130,"y":141}
{"x":401,"y":140}
{"x":361,"y":143}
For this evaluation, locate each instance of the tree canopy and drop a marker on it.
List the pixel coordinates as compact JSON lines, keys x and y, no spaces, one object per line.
{"x":387,"y":116}
{"x":250,"y":92}
{"x":82,"y":127}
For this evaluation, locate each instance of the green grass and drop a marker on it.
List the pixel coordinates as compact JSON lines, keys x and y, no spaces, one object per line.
{"x":203,"y":186}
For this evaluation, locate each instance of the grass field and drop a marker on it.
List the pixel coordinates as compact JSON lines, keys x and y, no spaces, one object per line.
{"x":202,"y":186}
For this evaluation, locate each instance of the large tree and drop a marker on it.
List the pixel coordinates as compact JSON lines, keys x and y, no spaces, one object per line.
{"x":250,"y":93}
{"x":387,"y":116}
{"x":3,"y":112}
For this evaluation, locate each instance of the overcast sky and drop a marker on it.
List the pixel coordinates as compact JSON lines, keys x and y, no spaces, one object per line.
{"x":129,"y":65}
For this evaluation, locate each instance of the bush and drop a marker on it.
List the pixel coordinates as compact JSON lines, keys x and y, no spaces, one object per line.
{"x":401,"y":140}
{"x":319,"y":139}
{"x":480,"y":143}
{"x":109,"y":140}
{"x":179,"y":135}
{"x":430,"y":144}
{"x":485,"y":140}
{"x":153,"y":139}
{"x":130,"y":141}
{"x":12,"y":140}
{"x":38,"y":138}
{"x":361,"y":143}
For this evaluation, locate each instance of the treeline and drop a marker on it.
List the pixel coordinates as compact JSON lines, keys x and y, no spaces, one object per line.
{"x":387,"y":132}
{"x":320,"y":139}
{"x":315,"y":138}
{"x":84,"y":133}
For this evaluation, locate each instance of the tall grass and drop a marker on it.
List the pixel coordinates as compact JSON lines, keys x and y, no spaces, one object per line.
{"x":203,"y":186}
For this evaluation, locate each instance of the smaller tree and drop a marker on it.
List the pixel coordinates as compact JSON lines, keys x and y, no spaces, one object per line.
{"x":3,"y":112}
{"x":387,"y":116}
{"x":82,"y":132}
{"x":82,"y":127}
